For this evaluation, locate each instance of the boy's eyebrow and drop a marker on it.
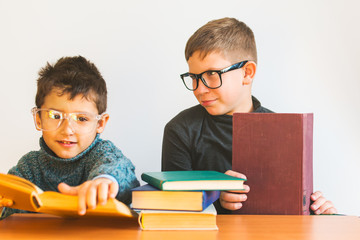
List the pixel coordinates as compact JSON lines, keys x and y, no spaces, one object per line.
{"x":51,"y":109}
{"x":65,"y":111}
{"x":209,"y":70}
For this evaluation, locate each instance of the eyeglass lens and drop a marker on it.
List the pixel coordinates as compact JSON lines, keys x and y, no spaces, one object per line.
{"x":50,"y":120}
{"x":210,"y":79}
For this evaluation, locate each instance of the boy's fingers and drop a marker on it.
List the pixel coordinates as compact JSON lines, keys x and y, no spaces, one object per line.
{"x":321,"y":205}
{"x":66,"y":189}
{"x":231,"y":206}
{"x":231,"y":200}
{"x":316,"y":195}
{"x":326,"y":208}
{"x":232,"y":197}
{"x":113,"y":190}
{"x":82,"y":197}
{"x":235,"y":174}
{"x":103,"y":191}
{"x":317,"y":204}
{"x":331,"y":210}
{"x":246,"y":190}
{"x":6,"y":202}
{"x":228,"y":202}
{"x":91,"y":195}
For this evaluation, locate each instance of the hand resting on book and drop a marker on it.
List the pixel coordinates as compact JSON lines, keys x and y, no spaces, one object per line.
{"x":321,"y":205}
{"x":232,"y":200}
{"x":4,"y":202}
{"x":91,"y":193}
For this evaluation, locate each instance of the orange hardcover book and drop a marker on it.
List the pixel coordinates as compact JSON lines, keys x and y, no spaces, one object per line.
{"x":178,"y":220}
{"x":274,"y":151}
{"x":27,"y":196}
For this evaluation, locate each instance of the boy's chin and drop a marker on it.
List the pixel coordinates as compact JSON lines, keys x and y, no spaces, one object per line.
{"x":66,"y":154}
{"x":215,"y":111}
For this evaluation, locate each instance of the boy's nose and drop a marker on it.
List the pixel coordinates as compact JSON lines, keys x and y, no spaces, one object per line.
{"x":202,"y":88}
{"x":66,"y":126}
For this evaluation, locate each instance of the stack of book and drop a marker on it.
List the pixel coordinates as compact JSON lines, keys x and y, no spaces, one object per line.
{"x":181,"y":200}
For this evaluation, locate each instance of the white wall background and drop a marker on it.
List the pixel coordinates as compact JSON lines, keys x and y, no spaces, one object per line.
{"x":309,"y":61}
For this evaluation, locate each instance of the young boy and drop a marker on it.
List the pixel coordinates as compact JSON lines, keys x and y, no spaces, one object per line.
{"x":70,"y":109}
{"x":222,"y":58}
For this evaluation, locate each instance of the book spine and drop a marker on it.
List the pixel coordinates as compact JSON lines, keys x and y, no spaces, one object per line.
{"x":307,"y":164}
{"x":152,"y":181}
{"x":209,"y":197}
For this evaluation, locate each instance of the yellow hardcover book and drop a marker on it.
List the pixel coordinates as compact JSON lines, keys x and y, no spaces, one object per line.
{"x":27,"y":196}
{"x":178,"y":220}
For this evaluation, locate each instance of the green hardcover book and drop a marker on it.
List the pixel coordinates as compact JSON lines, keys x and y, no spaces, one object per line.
{"x":192,"y":180}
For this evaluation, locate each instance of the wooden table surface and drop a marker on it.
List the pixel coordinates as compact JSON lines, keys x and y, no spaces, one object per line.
{"x":242,"y":227}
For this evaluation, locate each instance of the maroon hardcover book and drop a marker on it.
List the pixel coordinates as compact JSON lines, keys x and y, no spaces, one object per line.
{"x":275,"y":152}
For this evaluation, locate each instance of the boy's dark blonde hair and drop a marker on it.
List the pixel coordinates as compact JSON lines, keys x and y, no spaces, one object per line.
{"x":74,"y":76}
{"x":226,"y":35}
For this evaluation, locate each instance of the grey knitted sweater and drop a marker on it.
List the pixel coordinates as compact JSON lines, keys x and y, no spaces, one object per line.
{"x":46,"y":170}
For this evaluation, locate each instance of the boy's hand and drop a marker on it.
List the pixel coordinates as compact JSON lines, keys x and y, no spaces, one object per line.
{"x":5,"y":202}
{"x":321,"y":205}
{"x":232,"y":200}
{"x":91,"y":192}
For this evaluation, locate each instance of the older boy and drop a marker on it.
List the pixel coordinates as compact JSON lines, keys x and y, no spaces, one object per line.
{"x":70,"y":109}
{"x":222,"y":61}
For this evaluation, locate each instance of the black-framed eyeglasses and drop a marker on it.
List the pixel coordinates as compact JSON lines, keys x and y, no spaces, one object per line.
{"x":211,"y":78}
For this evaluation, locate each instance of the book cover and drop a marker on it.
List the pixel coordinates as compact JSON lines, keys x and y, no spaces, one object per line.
{"x":274,"y":151}
{"x":178,"y":220}
{"x":192,"y":180}
{"x":27,"y":196}
{"x":149,"y":197}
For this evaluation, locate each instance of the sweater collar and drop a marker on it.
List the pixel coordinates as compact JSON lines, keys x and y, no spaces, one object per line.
{"x":49,"y":153}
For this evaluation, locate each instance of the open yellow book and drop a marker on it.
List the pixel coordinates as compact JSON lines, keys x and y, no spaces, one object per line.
{"x":27,"y":196}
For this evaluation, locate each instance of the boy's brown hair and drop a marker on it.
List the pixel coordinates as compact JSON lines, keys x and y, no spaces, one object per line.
{"x":74,"y":76}
{"x":227,"y":35}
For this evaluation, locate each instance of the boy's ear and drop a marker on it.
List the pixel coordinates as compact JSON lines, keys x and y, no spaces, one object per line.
{"x":102,"y":123}
{"x":37,"y":120}
{"x":250,"y":70}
